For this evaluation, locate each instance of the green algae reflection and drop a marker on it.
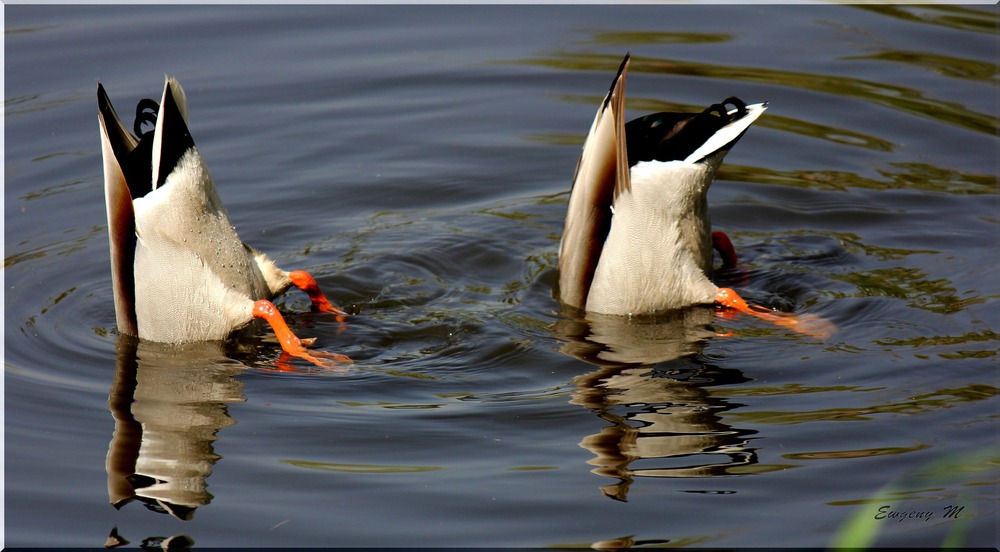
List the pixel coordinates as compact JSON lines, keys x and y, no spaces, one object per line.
{"x":899,"y":98}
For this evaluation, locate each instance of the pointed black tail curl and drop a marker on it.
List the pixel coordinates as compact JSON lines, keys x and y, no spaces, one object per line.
{"x":145,"y":112}
{"x":723,"y":111}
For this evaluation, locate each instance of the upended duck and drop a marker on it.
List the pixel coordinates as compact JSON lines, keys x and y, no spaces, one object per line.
{"x":637,"y":237}
{"x":179,"y":271}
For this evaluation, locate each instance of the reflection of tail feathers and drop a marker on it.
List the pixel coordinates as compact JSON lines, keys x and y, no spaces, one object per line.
{"x":179,"y":511}
{"x":619,"y":491}
{"x":139,"y":481}
{"x":662,"y":425}
{"x":176,"y":542}
{"x":114,"y":539}
{"x":168,"y":409}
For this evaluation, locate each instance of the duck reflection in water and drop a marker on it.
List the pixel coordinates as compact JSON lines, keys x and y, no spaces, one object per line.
{"x":168,"y":410}
{"x":653,"y":389}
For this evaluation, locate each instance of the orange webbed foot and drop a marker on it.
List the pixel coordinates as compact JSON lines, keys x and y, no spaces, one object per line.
{"x":290,"y":343}
{"x":808,"y":324}
{"x":332,"y":362}
{"x":304,"y":281}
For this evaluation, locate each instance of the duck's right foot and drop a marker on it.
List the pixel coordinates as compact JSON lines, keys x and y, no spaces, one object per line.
{"x":290,"y":343}
{"x":808,"y":324}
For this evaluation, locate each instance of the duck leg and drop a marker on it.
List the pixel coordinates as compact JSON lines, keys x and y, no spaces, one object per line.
{"x":722,"y":244}
{"x":289,"y":342}
{"x":304,"y":281}
{"x":808,"y":324}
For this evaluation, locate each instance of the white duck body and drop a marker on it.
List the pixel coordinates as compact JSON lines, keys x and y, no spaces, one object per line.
{"x":195,"y":280}
{"x":637,"y":238}
{"x":180,"y":271}
{"x":658,"y":252}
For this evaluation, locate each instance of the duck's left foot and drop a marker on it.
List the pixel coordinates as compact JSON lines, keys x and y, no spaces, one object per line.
{"x":331,"y":362}
{"x":808,"y":324}
{"x":290,"y":343}
{"x":304,"y":281}
{"x":722,"y":244}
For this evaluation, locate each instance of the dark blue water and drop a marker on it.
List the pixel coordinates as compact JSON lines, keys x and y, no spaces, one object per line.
{"x":417,"y":160}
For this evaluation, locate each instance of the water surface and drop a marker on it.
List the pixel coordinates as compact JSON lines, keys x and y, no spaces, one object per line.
{"x":417,"y":161}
